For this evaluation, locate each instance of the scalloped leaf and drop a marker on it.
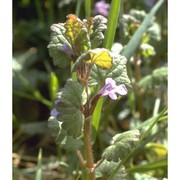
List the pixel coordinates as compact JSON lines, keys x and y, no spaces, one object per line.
{"x":71,"y":97}
{"x":77,"y":33}
{"x":118,"y":72}
{"x":97,"y":36}
{"x":122,"y":144}
{"x":61,"y":137}
{"x":106,"y":169}
{"x":56,"y":46}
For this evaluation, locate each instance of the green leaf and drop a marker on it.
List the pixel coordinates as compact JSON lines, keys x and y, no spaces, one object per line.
{"x":71,"y":144}
{"x":71,"y":98}
{"x":158,"y":76}
{"x":58,"y":40}
{"x":98,"y":26}
{"x":106,"y":168}
{"x":61,"y":137}
{"x":122,"y":144}
{"x":148,"y":167}
{"x":136,"y":39}
{"x":118,"y":72}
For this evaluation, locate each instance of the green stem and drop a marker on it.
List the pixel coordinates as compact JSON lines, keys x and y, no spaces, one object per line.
{"x":88,"y":149}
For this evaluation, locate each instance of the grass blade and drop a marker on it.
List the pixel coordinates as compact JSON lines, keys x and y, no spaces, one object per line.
{"x":88,"y":8}
{"x":96,"y":118}
{"x":78,"y":8}
{"x":148,"y":167}
{"x":112,"y":23}
{"x":39,"y":170}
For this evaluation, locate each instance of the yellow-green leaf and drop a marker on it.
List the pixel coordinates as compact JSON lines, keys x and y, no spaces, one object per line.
{"x":73,"y":26}
{"x":77,"y":34}
{"x":100,"y":57}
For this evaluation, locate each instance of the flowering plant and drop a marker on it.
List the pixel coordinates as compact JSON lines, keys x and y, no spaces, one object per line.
{"x":98,"y":73}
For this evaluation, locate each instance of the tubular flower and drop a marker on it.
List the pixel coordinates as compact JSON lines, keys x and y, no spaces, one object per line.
{"x":111,"y":89}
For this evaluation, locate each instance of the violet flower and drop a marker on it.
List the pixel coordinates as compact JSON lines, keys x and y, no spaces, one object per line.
{"x":66,"y":49}
{"x":111,"y":89}
{"x":101,"y":8}
{"x":54,"y":112}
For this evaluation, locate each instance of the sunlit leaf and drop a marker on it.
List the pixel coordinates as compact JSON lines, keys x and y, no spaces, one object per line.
{"x":122,"y":144}
{"x":118,"y":72}
{"x":100,"y":57}
{"x":77,"y":34}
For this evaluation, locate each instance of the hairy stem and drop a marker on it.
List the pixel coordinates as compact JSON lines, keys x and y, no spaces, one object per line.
{"x":88,"y":149}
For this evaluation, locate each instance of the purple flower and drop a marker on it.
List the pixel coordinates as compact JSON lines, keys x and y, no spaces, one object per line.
{"x":66,"y":49}
{"x":54,"y":112}
{"x":111,"y":89}
{"x":101,"y":8}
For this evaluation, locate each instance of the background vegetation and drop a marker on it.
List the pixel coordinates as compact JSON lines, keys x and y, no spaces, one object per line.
{"x":35,"y":79}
